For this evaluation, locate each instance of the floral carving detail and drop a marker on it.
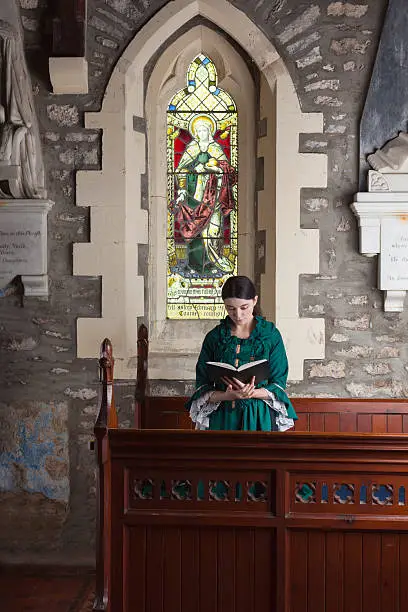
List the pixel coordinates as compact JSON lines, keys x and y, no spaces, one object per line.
{"x":377,"y":182}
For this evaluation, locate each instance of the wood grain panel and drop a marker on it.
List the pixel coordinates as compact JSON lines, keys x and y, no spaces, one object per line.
{"x":208,"y":552}
{"x":245,"y":566}
{"x":379,"y":423}
{"x":302,"y":423}
{"x":353,"y":572}
{"x":135,"y":570}
{"x":227,"y":570}
{"x":155,"y":569}
{"x":331,"y":422}
{"x":316,"y":422}
{"x":348,"y":422}
{"x":364,"y":423}
{"x":298,"y":593}
{"x":394,"y":423}
{"x":334,"y":592}
{"x":316,"y":572}
{"x":389,"y":572}
{"x":265,"y":570}
{"x":403,"y":572}
{"x":371,"y":572}
{"x":172,"y":594}
{"x":190,"y":569}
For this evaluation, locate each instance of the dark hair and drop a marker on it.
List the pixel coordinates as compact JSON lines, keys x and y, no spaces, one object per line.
{"x":240,"y":287}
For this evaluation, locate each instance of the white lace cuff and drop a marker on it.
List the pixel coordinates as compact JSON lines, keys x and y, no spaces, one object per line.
{"x":201,"y":409}
{"x":283,"y":422}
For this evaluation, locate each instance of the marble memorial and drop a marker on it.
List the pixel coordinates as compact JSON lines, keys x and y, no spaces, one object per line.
{"x":382,"y":214}
{"x":23,"y":203}
{"x":23,"y":244}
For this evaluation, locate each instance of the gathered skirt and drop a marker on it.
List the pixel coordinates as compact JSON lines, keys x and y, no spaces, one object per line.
{"x":246,"y":415}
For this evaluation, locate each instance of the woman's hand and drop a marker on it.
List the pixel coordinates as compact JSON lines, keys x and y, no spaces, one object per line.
{"x":239,"y":390}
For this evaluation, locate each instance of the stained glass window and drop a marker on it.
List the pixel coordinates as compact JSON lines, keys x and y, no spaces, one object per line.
{"x":202,"y":192}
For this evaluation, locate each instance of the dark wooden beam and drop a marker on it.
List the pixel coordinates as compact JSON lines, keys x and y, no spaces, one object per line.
{"x":69,"y":28}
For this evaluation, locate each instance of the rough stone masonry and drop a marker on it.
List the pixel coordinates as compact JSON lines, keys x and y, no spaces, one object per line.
{"x":49,"y":396}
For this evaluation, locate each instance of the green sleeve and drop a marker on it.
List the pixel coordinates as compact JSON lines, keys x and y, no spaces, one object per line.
{"x":203,"y":383}
{"x":278,"y":364}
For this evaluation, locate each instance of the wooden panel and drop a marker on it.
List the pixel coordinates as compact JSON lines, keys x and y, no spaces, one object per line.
{"x":298,"y":554}
{"x":331,"y":422}
{"x":265,"y":570}
{"x":371,"y":572}
{"x":389,"y":572}
{"x":316,"y":572}
{"x":348,"y":422}
{"x":190,"y":569}
{"x":394,"y":423}
{"x":379,"y":423}
{"x":316,"y":422}
{"x":364,"y":423}
{"x":172,"y":569}
{"x":154,"y":570}
{"x":353,"y":572}
{"x":333,"y":505}
{"x":403,"y":572}
{"x":302,"y":423}
{"x":208,"y":570}
{"x":348,"y":572}
{"x":227,"y":568}
{"x":135,"y":570}
{"x":334,"y":572}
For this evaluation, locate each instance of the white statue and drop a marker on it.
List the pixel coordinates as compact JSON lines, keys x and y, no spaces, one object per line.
{"x":392,"y":157}
{"x":21,"y":166}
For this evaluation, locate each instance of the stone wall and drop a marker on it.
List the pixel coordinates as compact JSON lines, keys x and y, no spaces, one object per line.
{"x":48,"y":396}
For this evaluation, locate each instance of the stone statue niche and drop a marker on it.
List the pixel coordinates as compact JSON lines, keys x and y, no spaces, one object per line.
{"x":21,"y":165}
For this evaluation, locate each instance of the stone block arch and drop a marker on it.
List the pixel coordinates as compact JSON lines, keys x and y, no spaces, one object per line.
{"x":119,"y":218}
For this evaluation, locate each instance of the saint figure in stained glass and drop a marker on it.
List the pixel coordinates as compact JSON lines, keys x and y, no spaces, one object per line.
{"x":205,"y":198}
{"x":202,"y":194}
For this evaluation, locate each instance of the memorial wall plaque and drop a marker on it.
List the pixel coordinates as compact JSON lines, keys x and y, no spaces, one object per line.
{"x":382,"y":215}
{"x":394,"y":254}
{"x":23,"y":243}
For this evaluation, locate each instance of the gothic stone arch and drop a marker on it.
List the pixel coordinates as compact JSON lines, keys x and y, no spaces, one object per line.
{"x":119,"y":216}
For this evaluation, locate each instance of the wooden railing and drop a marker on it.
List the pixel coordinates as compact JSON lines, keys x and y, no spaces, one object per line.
{"x":231,"y":521}
{"x":107,"y":418}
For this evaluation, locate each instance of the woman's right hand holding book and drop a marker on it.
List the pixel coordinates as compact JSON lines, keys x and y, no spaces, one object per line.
{"x":236,"y":390}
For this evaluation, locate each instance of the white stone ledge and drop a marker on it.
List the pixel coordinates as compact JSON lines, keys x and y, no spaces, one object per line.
{"x":69,"y":75}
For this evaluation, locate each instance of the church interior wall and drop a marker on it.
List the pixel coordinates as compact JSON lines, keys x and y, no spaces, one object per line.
{"x":328,"y":49}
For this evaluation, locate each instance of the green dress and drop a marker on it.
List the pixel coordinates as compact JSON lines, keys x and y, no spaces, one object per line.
{"x":265,"y":342}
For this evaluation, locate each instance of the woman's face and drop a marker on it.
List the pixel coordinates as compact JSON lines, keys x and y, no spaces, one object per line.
{"x":240,"y":311}
{"x":202,"y":132}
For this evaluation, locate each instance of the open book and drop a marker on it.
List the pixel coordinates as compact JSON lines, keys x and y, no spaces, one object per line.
{"x":244,"y":373}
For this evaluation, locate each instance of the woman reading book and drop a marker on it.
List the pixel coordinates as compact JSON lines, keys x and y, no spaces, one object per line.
{"x":242,"y":337}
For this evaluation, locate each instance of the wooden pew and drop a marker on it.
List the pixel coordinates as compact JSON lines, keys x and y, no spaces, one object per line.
{"x":315,"y":414}
{"x":245,"y":521}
